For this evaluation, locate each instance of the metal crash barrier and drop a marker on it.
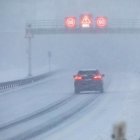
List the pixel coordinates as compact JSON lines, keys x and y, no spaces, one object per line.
{"x":17,"y":83}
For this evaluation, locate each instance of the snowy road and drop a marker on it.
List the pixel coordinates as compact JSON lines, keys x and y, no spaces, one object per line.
{"x":21,"y":102}
{"x":49,"y":120}
{"x":121,"y":102}
{"x":63,"y":115}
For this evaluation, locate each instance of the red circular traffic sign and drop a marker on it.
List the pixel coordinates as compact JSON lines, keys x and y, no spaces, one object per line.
{"x":70,"y":22}
{"x":101,"y":22}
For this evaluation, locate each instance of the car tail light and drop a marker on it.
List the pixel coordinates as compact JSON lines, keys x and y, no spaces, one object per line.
{"x":78,"y":77}
{"x":97,"y":77}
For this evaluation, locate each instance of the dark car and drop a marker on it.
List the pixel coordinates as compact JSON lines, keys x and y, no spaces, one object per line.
{"x":88,"y":80}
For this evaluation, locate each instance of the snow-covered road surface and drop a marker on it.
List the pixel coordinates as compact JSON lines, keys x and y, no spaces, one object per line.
{"x":49,"y":120}
{"x":19,"y":103}
{"x":120,"y":102}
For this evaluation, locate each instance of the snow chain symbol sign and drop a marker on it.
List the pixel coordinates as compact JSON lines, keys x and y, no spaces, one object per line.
{"x":101,"y":22}
{"x":86,"y":21}
{"x":70,"y":22}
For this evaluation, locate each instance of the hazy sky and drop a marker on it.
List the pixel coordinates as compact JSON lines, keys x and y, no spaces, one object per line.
{"x":69,"y":51}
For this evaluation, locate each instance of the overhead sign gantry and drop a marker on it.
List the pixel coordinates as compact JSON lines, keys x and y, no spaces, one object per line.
{"x":84,"y":24}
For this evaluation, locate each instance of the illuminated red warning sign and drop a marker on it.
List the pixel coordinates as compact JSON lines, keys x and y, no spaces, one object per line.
{"x":86,"y":21}
{"x":101,"y":22}
{"x":70,"y":22}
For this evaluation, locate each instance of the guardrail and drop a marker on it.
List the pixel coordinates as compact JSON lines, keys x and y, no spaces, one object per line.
{"x":17,"y":83}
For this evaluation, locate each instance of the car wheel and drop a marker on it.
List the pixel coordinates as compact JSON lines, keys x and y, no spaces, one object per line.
{"x":101,"y":90}
{"x":77,"y":90}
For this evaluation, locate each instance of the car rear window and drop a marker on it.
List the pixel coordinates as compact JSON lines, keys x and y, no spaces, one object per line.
{"x":88,"y":72}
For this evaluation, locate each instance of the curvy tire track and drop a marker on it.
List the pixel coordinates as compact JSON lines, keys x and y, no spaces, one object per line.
{"x":36,"y":114}
{"x":55,"y":121}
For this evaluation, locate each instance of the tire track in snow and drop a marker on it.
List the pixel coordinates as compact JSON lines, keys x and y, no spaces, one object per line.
{"x":37,"y":113}
{"x":57,"y":120}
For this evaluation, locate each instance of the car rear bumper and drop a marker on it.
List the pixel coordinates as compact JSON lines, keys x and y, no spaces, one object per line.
{"x":89,"y":86}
